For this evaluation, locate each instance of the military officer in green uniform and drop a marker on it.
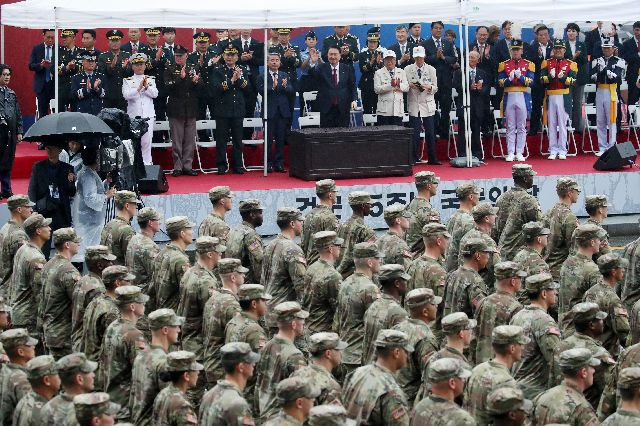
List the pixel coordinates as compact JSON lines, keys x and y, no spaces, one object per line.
{"x":12,"y":236}
{"x":536,"y":237}
{"x":369,"y":61}
{"x":114,"y":64}
{"x":506,"y":203}
{"x":461,"y":222}
{"x":354,"y":231}
{"x":70,"y":65}
{"x":421,"y":209}
{"x":348,"y":45}
{"x":204,"y":58}
{"x":117,"y":233}
{"x":597,"y":207}
{"x":245,"y":243}
{"x":42,"y":373}
{"x":320,"y":218}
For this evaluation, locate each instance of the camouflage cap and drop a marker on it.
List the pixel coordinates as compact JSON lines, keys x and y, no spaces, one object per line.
{"x":40,"y":366}
{"x":424,"y":178}
{"x":76,"y":362}
{"x":288,"y":213}
{"x":130,"y":294}
{"x":587,"y":311}
{"x":456,"y":322}
{"x":16,"y":337}
{"x":589,"y":231}
{"x":95,"y":404}
{"x":608,"y":262}
{"x":596,"y":201}
{"x":237,"y":352}
{"x":250,"y":205}
{"x":395,"y":211}
{"x":148,"y":213}
{"x":393,"y":339}
{"x":19,"y":200}
{"x":182,"y":361}
{"x":34,"y":222}
{"x":178,"y":223}
{"x":288,"y":311}
{"x":392,"y":271}
{"x":474,"y":245}
{"x":534,"y":229}
{"x":324,"y":239}
{"x":124,"y":196}
{"x":522,"y":170}
{"x":253,"y":292}
{"x":433,"y":229}
{"x":359,"y":197}
{"x":445,"y":369}
{"x":218,"y":192}
{"x":566,"y":184}
{"x":420,"y":297}
{"x":504,"y":270}
{"x":116,"y":272}
{"x":365,"y":250}
{"x":466,"y":189}
{"x":230,"y":265}
{"x":324,"y":341}
{"x":539,"y":282}
{"x":506,"y":399}
{"x":576,"y":358}
{"x":293,"y":388}
{"x":326,"y":185}
{"x":509,"y":335}
{"x":63,"y":235}
{"x":206,"y":244}
{"x":482,"y":210}
{"x":327,"y":415}
{"x":164,"y":318}
{"x":629,"y":378}
{"x":98,"y":253}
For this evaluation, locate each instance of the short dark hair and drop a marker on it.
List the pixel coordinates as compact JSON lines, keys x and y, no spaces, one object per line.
{"x":245,"y":305}
{"x":636,"y":24}
{"x":591,"y":209}
{"x":174,"y":233}
{"x":171,"y":376}
{"x":333,"y":47}
{"x":92,"y":33}
{"x":573,"y":26}
{"x":229,"y":366}
{"x":533,"y":294}
{"x":501,"y":348}
{"x":284,"y":223}
{"x":628,"y":394}
{"x":505,"y":24}
{"x":451,"y":32}
{"x":480,"y":27}
{"x":434,"y":23}
{"x":5,"y":67}
{"x":143,"y":223}
{"x":581,"y":326}
{"x":89,"y":156}
{"x":68,"y":379}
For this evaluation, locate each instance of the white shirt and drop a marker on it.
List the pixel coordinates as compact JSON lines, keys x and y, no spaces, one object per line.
{"x":436,"y":41}
{"x":403,"y":48}
{"x":247,"y":42}
{"x":572,"y":46}
{"x":337,"y":68}
{"x":544,"y":51}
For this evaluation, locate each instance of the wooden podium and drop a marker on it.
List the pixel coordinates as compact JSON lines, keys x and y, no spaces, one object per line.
{"x":353,"y":152}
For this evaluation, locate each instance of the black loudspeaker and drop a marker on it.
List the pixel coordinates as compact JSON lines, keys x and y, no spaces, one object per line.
{"x":616,"y":157}
{"x":155,"y":182}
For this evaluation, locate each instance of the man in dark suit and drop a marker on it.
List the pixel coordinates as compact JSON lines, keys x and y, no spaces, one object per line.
{"x":402,"y":48}
{"x":479,"y":87}
{"x":577,"y":52}
{"x":539,"y":51}
{"x":441,"y":56}
{"x":41,"y":62}
{"x":415,"y":34}
{"x":251,"y":57}
{"x":278,"y":112}
{"x":488,"y":64}
{"x":51,"y":186}
{"x":337,"y":92}
{"x":134,"y":45}
{"x":89,"y":42}
{"x":630,"y":52}
{"x":87,"y":87}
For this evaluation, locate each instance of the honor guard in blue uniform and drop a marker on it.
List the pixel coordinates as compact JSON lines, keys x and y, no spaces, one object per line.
{"x":88,"y":87}
{"x":370,"y":61}
{"x":115,"y":66}
{"x":347,"y":43}
{"x":203,"y":59}
{"x":70,"y":63}
{"x":289,"y":61}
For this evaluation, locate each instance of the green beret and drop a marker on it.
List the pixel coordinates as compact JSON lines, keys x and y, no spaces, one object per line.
{"x":539,"y":282}
{"x":237,"y":352}
{"x":250,"y":205}
{"x":148,"y":213}
{"x":252,"y":292}
{"x":395,"y":211}
{"x":456,"y":322}
{"x":392,"y":271}
{"x":325,"y":186}
{"x":116,"y":272}
{"x":63,"y":235}
{"x":178,"y":361}
{"x":164,"y":318}
{"x":76,"y":362}
{"x":178,"y":223}
{"x":566,"y":184}
{"x":366,"y":250}
{"x":393,"y":339}
{"x":589,"y":231}
{"x":15,"y":337}
{"x":359,"y":197}
{"x":206,"y":244}
{"x":433,"y":229}
{"x":577,"y":358}
{"x":288,"y":311}
{"x":293,"y":388}
{"x":506,"y":399}
{"x":230,"y":265}
{"x":420,"y":297}
{"x":482,"y":210}
{"x":289,"y":214}
{"x":424,"y":178}
{"x":608,"y":262}
{"x":130,"y":294}
{"x":122,"y":197}
{"x":327,"y":415}
{"x":19,"y":200}
{"x":534,"y":229}
{"x":629,"y":378}
{"x":466,"y":189}
{"x":98,"y":253}
{"x":323,"y":341}
{"x":40,"y":366}
{"x":324,"y":239}
{"x":95,"y":404}
{"x":218,"y":192}
{"x":509,"y":335}
{"x":587,"y":311}
{"x":596,"y":201}
{"x":445,"y":369}
{"x":504,"y":270}
{"x":522,"y":170}
{"x":35,"y":221}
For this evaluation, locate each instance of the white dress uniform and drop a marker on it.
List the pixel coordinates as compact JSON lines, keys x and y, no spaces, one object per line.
{"x":140,"y":104}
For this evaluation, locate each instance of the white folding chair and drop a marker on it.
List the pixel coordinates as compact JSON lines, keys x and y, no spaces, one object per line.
{"x":206,"y":125}
{"x":37,"y":111}
{"x":309,"y":121}
{"x":405,"y":117}
{"x":53,"y":106}
{"x":633,"y":119}
{"x":589,"y":88}
{"x":453,"y":119}
{"x":590,"y":112}
{"x":497,"y":132}
{"x":307,"y":98}
{"x":369,"y":119}
{"x":161,"y":126}
{"x":257,"y":125}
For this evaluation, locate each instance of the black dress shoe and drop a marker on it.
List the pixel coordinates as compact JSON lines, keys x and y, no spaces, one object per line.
{"x":280,"y":170}
{"x":238,"y":171}
{"x":176,"y":173}
{"x":269,"y":169}
{"x":434,"y":162}
{"x":6,"y":195}
{"x":221,"y":171}
{"x":190,"y":172}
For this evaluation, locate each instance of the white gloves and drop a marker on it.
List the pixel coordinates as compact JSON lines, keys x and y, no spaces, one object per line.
{"x":552,"y":73}
{"x":611,"y":74}
{"x":518,"y":73}
{"x":560,"y":74}
{"x":512,"y":74}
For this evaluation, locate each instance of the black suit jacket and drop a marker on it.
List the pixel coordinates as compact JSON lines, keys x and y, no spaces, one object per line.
{"x":59,"y":210}
{"x":142,"y":47}
{"x":442,"y":66}
{"x":479,"y":98}
{"x":257,"y":59}
{"x":346,"y":91}
{"x":488,"y":61}
{"x":396,"y":49}
{"x":629,"y":52}
{"x":35,"y":59}
{"x":535,"y":57}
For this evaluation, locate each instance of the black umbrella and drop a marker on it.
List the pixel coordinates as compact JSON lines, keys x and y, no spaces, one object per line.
{"x":64,"y":126}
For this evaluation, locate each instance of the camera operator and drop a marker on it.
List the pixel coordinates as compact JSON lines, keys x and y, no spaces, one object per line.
{"x":10,"y":130}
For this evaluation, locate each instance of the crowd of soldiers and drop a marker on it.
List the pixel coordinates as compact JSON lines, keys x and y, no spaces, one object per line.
{"x":504,"y":315}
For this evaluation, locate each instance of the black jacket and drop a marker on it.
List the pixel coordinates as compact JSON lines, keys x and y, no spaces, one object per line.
{"x":346,"y":91}
{"x":39,"y":192}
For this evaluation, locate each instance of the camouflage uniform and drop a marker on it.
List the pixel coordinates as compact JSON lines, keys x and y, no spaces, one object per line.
{"x":464,"y":291}
{"x":27,"y":286}
{"x":506,"y":202}
{"x":394,"y":248}
{"x":116,"y":235}
{"x":89,"y":287}
{"x":289,"y":390}
{"x":171,"y":264}
{"x":562,"y":222}
{"x":322,"y":285}
{"x":283,"y":270}
{"x":353,"y":231}
{"x":630,"y":357}
{"x":531,"y":261}
{"x":422,"y":213}
{"x":459,"y":224}
{"x":372,"y":395}
{"x":245,"y":243}
{"x":320,"y":218}
{"x":487,"y":273}
{"x":485,"y":377}
{"x":630,"y":292}
{"x":89,"y":405}
{"x":27,"y":412}
{"x":622,"y":418}
{"x":224,"y":405}
{"x":100,"y":313}
{"x":12,"y":236}
{"x":629,"y":380}
{"x":523,"y":208}
{"x":14,"y":384}
{"x":214,"y":226}
{"x":171,"y":406}
{"x":140,"y":259}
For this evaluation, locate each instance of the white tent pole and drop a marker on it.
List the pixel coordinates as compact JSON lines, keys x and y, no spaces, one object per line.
{"x":467,"y":108}
{"x":56,"y":54}
{"x":265,"y":146}
{"x":193,"y":43}
{"x":2,"y":46}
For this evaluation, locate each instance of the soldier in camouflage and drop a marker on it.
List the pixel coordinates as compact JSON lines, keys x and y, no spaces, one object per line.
{"x":284,"y":265}
{"x":244,"y":242}
{"x":498,"y":308}
{"x":59,"y":279}
{"x":279,"y":358}
{"x":507,"y":406}
{"x":507,"y":342}
{"x":562,"y":222}
{"x":296,"y":397}
{"x":566,"y":403}
{"x":322,"y":283}
{"x":117,"y":233}
{"x":629,"y":389}
{"x":520,"y":207}
{"x":530,"y":257}
{"x":354,"y":231}
{"x":91,"y":408}
{"x":534,"y":373}
{"x":149,"y":365}
{"x":224,"y":404}
{"x":422,"y":305}
{"x":12,"y":236}
{"x":328,"y":415}
{"x":221,"y":307}
{"x":447,"y":378}
{"x":460,"y":222}
{"x":172,"y":406}
{"x":77,"y":375}
{"x":14,"y":384}
{"x":320,"y":218}
{"x":142,"y":250}
{"x":214,"y":225}
{"x":616,"y":324}
{"x":121,"y":344}
{"x":579,"y":273}
{"x":386,"y":311}
{"x":630,"y":292}
{"x":42,"y":373}
{"x":421,"y":209}
{"x":597,"y":207}
{"x":392,"y":243}
{"x":630,"y":357}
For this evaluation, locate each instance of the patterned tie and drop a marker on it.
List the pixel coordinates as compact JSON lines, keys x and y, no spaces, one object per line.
{"x":334,"y":77}
{"x":473,"y":76}
{"x":47,"y":56}
{"x":438,"y":45}
{"x":402,"y":50}
{"x":134,"y":48}
{"x":246,"y":46}
{"x":419,"y":73}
